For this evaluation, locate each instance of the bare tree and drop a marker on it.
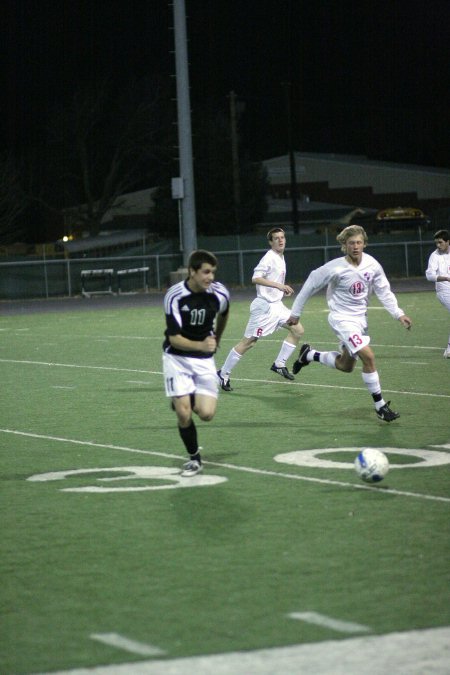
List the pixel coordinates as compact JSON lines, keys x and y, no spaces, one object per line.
{"x":102,"y":144}
{"x":13,"y":201}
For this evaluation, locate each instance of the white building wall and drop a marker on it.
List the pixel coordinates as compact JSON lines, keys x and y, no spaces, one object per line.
{"x":341,"y":171}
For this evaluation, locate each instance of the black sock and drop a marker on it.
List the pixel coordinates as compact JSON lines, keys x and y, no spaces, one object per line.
{"x":189,"y":438}
{"x":316,"y":356}
{"x":377,"y":397}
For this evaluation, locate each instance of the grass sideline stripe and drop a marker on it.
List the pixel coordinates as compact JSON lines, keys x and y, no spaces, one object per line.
{"x":234,"y":467}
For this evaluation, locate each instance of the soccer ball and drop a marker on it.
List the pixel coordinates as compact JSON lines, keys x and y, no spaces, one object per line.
{"x":371,"y":465}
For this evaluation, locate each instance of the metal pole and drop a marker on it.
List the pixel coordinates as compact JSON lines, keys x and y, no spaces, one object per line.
{"x":45,"y":271}
{"x":158,"y":280}
{"x":69,"y":281}
{"x":292,"y":168}
{"x":184,"y":130}
{"x":235,"y":162}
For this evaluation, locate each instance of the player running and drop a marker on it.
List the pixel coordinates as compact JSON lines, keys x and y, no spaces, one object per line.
{"x":196,"y":315}
{"x":350,"y":280}
{"x":267,"y":311}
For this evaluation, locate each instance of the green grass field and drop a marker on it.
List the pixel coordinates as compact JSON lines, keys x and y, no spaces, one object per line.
{"x":191,"y":569}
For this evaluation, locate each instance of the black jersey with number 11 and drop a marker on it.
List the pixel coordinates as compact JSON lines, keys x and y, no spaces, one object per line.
{"x":192,"y":315}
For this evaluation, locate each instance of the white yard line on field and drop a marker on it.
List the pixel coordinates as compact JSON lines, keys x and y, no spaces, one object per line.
{"x":233,"y":467}
{"x":234,"y":340}
{"x":139,"y":382}
{"x":237,"y":379}
{"x":328,"y":622}
{"x":121,"y":642}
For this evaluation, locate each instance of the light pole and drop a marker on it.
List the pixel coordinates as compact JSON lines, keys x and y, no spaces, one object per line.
{"x":287,"y":90}
{"x":189,"y":227}
{"x":235,"y":163}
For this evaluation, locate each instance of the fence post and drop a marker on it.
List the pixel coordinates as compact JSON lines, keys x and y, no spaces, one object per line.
{"x":69,"y":281}
{"x":241,"y":267}
{"x":406,"y":258}
{"x":158,"y":280}
{"x":45,"y":272}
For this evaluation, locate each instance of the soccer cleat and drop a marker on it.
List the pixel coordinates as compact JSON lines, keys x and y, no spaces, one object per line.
{"x":386,"y":414}
{"x":225,"y":384}
{"x":191,"y":468}
{"x":301,"y":361}
{"x":283,"y":371}
{"x":447,"y":353}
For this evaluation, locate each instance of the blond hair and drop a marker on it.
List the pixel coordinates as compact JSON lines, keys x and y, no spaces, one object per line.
{"x":351,"y":231}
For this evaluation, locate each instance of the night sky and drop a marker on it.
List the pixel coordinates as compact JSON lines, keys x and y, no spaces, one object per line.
{"x":368,"y":78}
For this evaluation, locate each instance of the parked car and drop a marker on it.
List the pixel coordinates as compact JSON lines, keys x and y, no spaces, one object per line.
{"x":398,"y":219}
{"x":402,"y":218}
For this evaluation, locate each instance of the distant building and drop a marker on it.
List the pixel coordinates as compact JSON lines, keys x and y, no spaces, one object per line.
{"x":330,"y":187}
{"x":130,"y":210}
{"x":358,"y":181}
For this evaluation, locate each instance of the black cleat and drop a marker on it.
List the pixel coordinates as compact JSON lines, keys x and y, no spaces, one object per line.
{"x":301,"y":361}
{"x":283,"y":371}
{"x":225,"y":384}
{"x":386,"y":414}
{"x":191,"y":468}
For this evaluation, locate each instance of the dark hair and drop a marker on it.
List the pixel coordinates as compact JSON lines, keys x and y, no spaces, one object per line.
{"x":272,"y":231}
{"x":197,"y":258}
{"x":442,"y":234}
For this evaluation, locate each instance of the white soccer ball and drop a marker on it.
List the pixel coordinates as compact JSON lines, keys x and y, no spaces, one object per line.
{"x":371,"y":465}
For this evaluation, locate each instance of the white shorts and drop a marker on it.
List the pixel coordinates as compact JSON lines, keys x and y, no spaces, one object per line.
{"x":352,"y":332}
{"x":265,"y":318}
{"x":185,"y":375}
{"x":444,"y":298}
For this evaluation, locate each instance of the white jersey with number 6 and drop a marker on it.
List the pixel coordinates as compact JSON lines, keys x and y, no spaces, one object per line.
{"x":272,"y":266}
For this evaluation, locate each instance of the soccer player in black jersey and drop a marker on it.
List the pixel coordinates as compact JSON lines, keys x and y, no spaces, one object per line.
{"x":196,"y":315}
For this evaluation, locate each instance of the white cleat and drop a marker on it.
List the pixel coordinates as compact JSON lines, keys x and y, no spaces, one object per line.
{"x":447,"y":353}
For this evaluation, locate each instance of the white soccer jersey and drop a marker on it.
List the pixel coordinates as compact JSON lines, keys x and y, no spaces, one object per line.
{"x":272,"y":266}
{"x":349,"y":288}
{"x":439,"y":266}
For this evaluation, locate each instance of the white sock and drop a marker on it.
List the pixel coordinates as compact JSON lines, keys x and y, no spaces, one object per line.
{"x":232,"y":359}
{"x":285,"y":352}
{"x":328,"y":358}
{"x":372,"y":382}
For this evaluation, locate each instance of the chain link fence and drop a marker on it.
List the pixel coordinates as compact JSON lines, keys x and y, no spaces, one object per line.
{"x":47,"y":278}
